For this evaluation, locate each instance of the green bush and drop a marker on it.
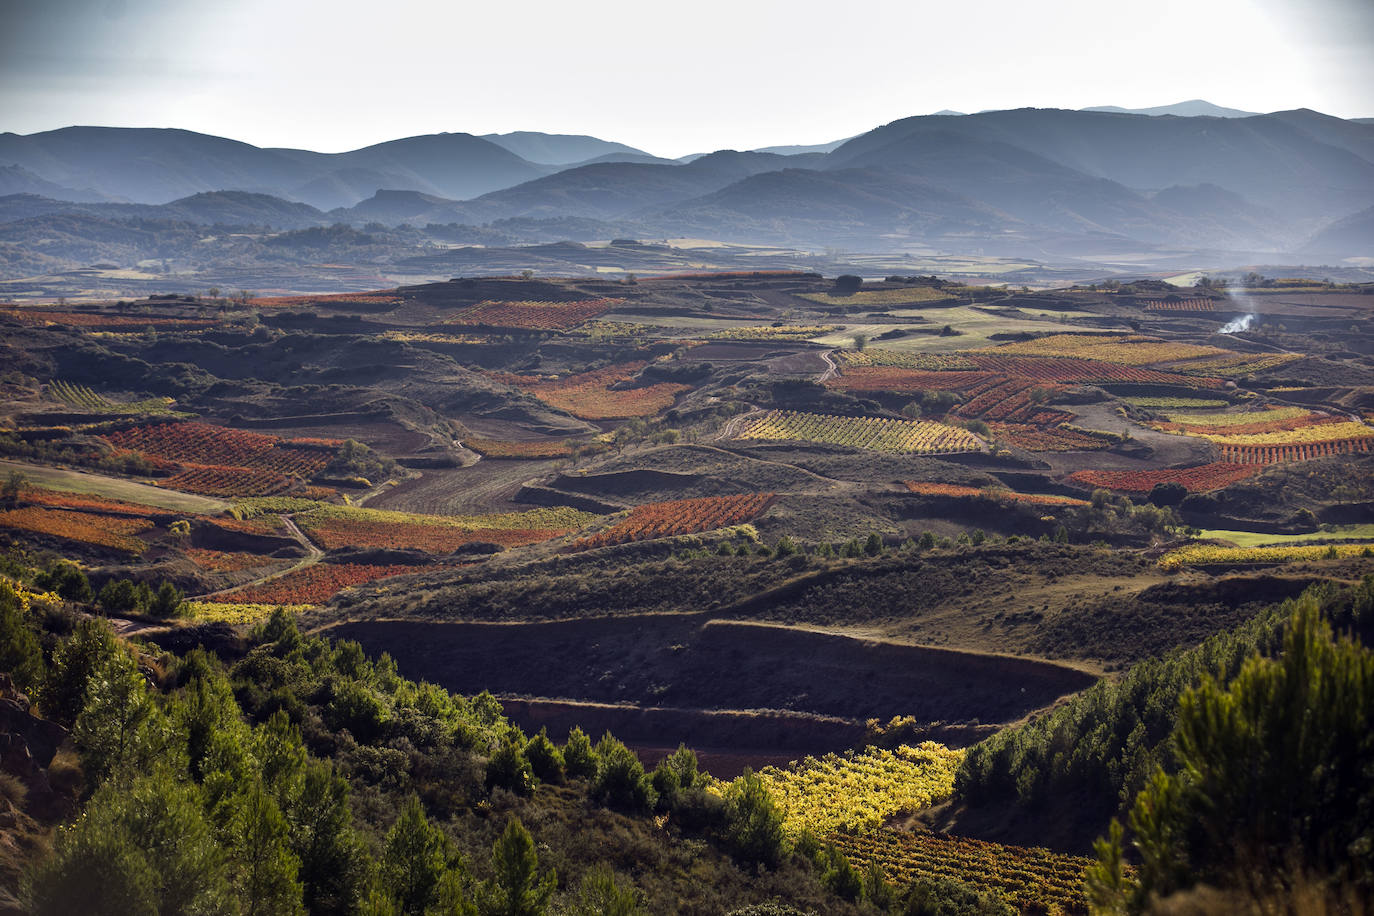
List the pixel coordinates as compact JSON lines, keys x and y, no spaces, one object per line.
{"x":753,"y":822}
{"x":620,"y":780}
{"x":545,"y":758}
{"x":509,"y":768}
{"x":579,"y":757}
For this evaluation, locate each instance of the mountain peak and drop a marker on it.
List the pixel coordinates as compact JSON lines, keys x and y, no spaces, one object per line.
{"x":1193,"y":108}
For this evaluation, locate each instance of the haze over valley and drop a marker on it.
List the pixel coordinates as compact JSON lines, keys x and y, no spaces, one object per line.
{"x":1040,"y":192}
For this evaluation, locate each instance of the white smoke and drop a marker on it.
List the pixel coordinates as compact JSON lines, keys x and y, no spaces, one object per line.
{"x":1238,"y":295}
{"x":1236,"y":325}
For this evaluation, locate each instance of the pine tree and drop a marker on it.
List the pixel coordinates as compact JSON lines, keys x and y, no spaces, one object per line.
{"x":264,"y":866}
{"x":121,"y":728}
{"x":74,"y":661}
{"x":142,"y":846}
{"x":517,"y":889}
{"x":418,"y":862}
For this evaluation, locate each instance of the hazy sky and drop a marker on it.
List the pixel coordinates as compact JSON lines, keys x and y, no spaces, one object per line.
{"x":671,"y":78}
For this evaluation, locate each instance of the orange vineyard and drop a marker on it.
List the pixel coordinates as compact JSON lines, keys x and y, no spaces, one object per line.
{"x":956,"y":490}
{"x":598,"y":395}
{"x":82,"y":527}
{"x":313,"y":584}
{"x":1198,"y":479}
{"x":333,"y":533}
{"x":683,"y":516}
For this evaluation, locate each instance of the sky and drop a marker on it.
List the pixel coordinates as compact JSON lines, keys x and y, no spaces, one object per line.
{"x":668,"y":77}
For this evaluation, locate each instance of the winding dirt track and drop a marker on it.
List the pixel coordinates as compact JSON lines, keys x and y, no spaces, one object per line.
{"x":312,"y":556}
{"x":829,"y":373}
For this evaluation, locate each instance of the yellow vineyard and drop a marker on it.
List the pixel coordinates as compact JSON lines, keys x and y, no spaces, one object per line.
{"x":924,"y":437}
{"x":857,"y":792}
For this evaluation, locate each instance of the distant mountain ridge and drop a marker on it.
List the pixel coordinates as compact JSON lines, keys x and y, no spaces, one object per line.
{"x":153,"y":166}
{"x":1072,"y":180}
{"x":1193,"y":108}
{"x":561,"y":149}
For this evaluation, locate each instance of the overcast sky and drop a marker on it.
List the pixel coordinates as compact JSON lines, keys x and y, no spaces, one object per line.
{"x":671,"y":78}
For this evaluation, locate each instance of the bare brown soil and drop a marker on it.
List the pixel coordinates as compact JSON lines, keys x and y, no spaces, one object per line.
{"x":487,"y":486}
{"x":783,"y":688}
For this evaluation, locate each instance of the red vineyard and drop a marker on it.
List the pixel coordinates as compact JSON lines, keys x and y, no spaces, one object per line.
{"x":1197,"y":304}
{"x":1278,"y":454}
{"x":218,"y":461}
{"x":335,"y":533}
{"x":683,"y":516}
{"x":598,"y":395}
{"x":226,"y":480}
{"x":1199,"y":479}
{"x":888,"y":378}
{"x":83,"y":501}
{"x":101,"y":320}
{"x":1012,"y":400}
{"x":313,"y":584}
{"x":1070,"y":369}
{"x":1049,"y":439}
{"x":923,"y":488}
{"x":203,"y":443}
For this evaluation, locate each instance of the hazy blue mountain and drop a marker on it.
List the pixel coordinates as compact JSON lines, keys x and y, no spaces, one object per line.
{"x":454,"y":165}
{"x":802,"y":150}
{"x":227,"y":208}
{"x":15,"y":179}
{"x":1259,"y":183}
{"x":560,"y":149}
{"x":1349,"y":237}
{"x":1286,"y":161}
{"x":154,"y":166}
{"x":612,"y":190}
{"x":1193,"y":108}
{"x":348,"y":186}
{"x":641,"y":158}
{"x":395,"y":207}
{"x":150,"y":165}
{"x":805,"y":205}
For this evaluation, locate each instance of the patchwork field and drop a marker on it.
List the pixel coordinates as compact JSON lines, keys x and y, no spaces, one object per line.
{"x":839,"y":535}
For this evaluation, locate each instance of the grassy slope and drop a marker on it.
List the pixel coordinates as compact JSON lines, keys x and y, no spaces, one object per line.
{"x":115,"y":488}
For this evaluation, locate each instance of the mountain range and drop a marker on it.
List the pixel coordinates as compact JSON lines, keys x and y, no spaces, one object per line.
{"x":1027,"y":181}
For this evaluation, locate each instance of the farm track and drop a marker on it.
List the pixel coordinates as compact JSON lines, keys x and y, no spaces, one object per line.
{"x":732,"y":426}
{"x":313,"y":555}
{"x":830,"y":482}
{"x":828,"y":374}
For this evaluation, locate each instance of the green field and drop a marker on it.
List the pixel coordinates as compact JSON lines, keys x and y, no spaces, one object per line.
{"x":1257,"y":539}
{"x":113,"y":488}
